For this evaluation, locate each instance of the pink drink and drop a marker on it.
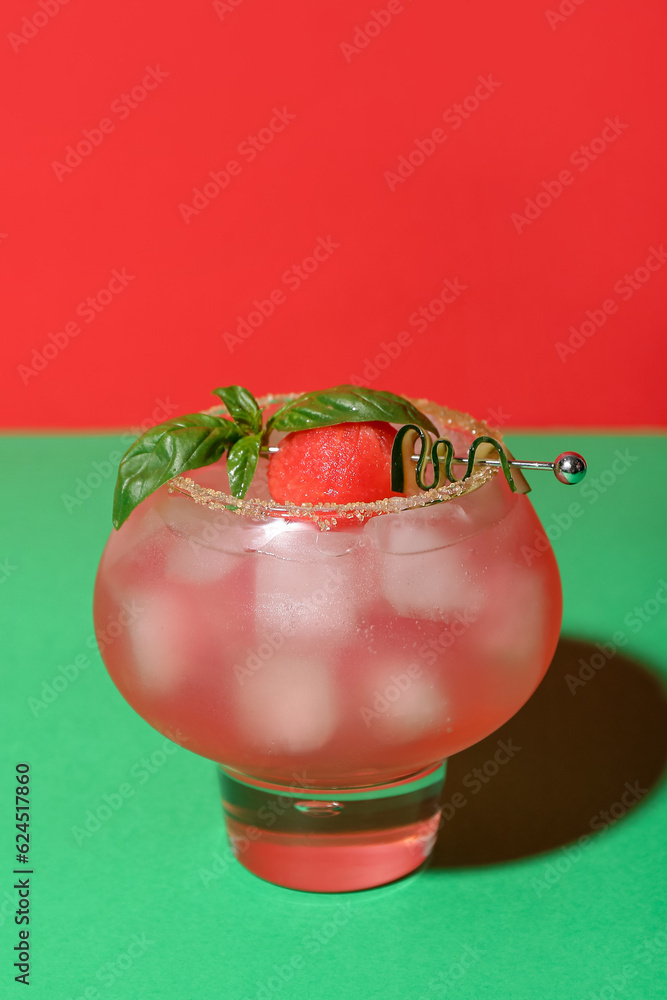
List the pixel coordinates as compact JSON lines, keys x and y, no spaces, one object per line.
{"x":313,"y":663}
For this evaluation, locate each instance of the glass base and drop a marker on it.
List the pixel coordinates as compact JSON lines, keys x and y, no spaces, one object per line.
{"x":332,"y":840}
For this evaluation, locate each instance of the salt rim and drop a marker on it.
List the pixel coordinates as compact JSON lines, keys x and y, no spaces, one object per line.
{"x":326,"y":515}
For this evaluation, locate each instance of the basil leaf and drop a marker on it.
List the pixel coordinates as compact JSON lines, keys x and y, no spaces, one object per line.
{"x":242,"y":462}
{"x":165,"y":451}
{"x":243,"y":407}
{"x":346,"y":403}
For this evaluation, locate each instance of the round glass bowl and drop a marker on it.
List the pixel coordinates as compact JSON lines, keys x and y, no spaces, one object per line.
{"x":330,"y":659}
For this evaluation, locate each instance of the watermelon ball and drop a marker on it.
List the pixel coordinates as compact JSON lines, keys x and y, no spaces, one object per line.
{"x":342,"y":463}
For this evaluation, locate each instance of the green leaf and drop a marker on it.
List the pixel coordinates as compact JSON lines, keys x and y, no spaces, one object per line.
{"x":165,"y":451}
{"x":242,"y":462}
{"x":346,"y":403}
{"x":243,"y":407}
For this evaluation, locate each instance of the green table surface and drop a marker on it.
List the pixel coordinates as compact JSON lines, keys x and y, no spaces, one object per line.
{"x":513,"y":905}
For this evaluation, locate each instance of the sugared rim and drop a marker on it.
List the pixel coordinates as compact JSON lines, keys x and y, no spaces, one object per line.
{"x":327,"y":515}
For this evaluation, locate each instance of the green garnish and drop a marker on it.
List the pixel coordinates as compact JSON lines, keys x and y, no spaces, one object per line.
{"x":200,"y":439}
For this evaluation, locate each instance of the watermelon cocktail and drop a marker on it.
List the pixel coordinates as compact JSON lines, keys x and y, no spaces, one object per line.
{"x":328,"y":643}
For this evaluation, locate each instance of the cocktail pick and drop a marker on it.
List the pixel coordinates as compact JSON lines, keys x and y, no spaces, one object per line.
{"x":569,"y":467}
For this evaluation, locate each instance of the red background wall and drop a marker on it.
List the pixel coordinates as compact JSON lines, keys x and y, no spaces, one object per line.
{"x":556,"y":72}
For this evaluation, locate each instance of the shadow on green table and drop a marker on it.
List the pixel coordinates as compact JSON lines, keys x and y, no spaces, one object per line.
{"x":580,"y":755}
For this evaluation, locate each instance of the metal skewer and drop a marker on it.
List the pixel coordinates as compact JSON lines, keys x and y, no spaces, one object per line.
{"x":569,"y":467}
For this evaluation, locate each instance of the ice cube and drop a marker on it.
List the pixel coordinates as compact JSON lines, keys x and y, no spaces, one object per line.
{"x":420,"y":529}
{"x":274,"y":535}
{"x":406,"y":699}
{"x":139,"y":534}
{"x":192,"y":562}
{"x":159,"y":639}
{"x":198,"y":524}
{"x":512,"y":629}
{"x":288,"y":703}
{"x":434,"y":585}
{"x":488,"y":505}
{"x":423,"y":529}
{"x":305,"y":590}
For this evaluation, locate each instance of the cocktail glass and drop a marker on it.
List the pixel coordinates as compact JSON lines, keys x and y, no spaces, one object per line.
{"x":330,"y":659}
